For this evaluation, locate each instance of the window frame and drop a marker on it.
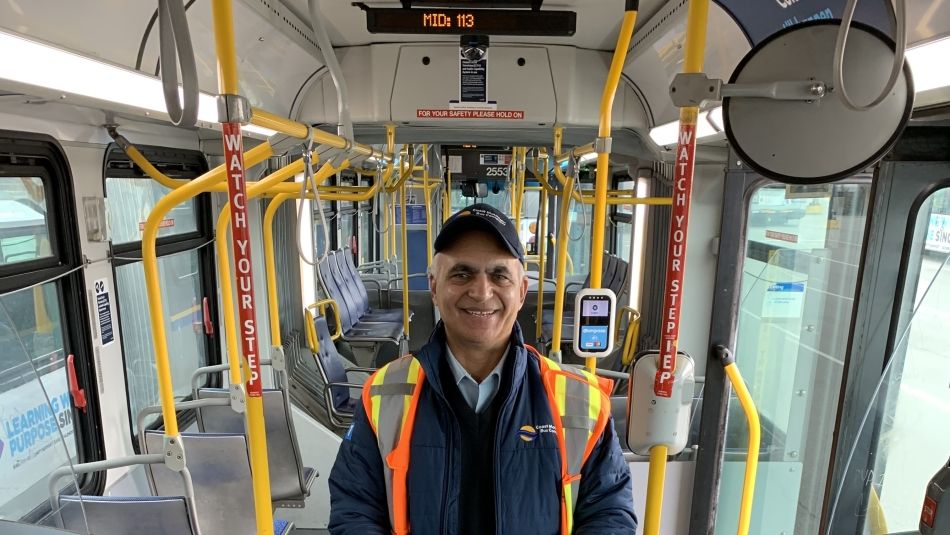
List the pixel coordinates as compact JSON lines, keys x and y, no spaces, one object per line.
{"x":46,"y":153}
{"x":181,"y":164}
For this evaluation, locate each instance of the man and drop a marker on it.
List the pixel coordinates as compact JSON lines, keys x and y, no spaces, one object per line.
{"x":467,"y":436}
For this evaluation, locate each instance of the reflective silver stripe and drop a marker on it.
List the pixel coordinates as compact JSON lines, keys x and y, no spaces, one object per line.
{"x":386,"y":389}
{"x":392,"y":393}
{"x":578,"y":422}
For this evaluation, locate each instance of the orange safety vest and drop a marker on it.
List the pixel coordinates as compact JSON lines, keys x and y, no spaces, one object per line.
{"x":579,"y":403}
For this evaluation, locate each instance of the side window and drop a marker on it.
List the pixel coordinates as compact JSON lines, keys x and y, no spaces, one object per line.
{"x":185,"y":264}
{"x":42,"y":323}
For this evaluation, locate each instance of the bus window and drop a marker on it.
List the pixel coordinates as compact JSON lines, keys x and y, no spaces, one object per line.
{"x":23,"y":234}
{"x":797,"y":292}
{"x":912,"y":445}
{"x":42,"y":321}
{"x":185,"y":266}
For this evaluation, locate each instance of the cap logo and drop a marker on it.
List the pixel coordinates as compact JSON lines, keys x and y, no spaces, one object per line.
{"x":489,"y":215}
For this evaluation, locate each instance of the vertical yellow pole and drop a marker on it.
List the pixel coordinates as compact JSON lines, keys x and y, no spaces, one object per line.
{"x":603,"y":154}
{"x":518,"y":200}
{"x":270,"y":266}
{"x":540,"y":241}
{"x":405,"y":263}
{"x":563,"y":228}
{"x":752,"y":452}
{"x":425,"y":190}
{"x":697,"y":16}
{"x":257,"y":440}
{"x":447,"y":201}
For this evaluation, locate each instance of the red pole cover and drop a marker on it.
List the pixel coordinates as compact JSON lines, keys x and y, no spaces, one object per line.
{"x":240,"y":242}
{"x":676,"y":258}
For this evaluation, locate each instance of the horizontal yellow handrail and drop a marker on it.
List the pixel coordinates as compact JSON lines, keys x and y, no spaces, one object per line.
{"x":292,"y":128}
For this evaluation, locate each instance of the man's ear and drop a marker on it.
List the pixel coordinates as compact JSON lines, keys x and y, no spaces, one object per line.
{"x":432,"y":288}
{"x":524,"y":288}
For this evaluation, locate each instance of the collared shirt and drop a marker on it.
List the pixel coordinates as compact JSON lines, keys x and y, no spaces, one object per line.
{"x":477,"y":395}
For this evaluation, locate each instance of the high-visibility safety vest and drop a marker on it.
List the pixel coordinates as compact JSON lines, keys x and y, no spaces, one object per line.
{"x":579,"y":403}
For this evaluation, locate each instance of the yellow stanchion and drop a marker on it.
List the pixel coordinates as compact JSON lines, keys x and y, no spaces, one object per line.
{"x":270,"y":267}
{"x":562,"y":258}
{"x":447,"y":197}
{"x":603,"y":154}
{"x":697,"y":17}
{"x":428,"y":200}
{"x":405,"y":262}
{"x":752,"y":454}
{"x":540,"y":240}
{"x":655,"y":482}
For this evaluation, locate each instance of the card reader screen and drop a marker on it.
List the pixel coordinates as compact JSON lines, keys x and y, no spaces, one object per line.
{"x":594,"y":337}
{"x":596,"y":308}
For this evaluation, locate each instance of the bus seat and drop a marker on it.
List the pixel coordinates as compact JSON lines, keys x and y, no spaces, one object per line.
{"x":221,"y":474}
{"x":112,"y":515}
{"x":290,"y":481}
{"x":123,"y":515}
{"x":8,"y":527}
{"x":368,"y":314}
{"x":339,"y":403}
{"x":357,"y":303}
{"x":353,"y":329}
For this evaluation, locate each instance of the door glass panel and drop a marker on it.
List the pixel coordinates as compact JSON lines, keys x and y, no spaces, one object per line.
{"x":797,"y":293}
{"x":181,"y":299}
{"x":36,"y":416}
{"x":914,"y":407}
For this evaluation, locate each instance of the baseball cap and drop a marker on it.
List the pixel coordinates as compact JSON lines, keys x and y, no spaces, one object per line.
{"x":480,"y":217}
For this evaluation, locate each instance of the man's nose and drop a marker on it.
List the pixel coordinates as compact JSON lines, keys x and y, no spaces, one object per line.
{"x":480,"y":289}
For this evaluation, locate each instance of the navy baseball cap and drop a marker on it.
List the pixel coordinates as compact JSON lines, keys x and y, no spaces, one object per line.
{"x":480,"y":217}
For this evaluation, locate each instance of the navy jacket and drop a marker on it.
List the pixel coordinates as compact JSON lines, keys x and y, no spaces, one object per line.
{"x":527,"y":474}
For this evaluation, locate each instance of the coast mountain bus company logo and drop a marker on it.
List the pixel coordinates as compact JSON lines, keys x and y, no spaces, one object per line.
{"x":528,"y":433}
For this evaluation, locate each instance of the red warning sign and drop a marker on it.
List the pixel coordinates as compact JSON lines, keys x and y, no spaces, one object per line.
{"x":469,"y":114}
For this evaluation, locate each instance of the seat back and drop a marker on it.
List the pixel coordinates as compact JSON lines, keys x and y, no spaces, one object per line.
{"x":221,"y":475}
{"x":334,"y":292}
{"x":329,"y":363}
{"x":621,"y":278}
{"x":110,"y":515}
{"x":347,"y":265}
{"x":287,"y":479}
{"x":350,"y":299}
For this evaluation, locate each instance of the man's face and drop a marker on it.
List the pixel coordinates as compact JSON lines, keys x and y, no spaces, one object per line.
{"x":479,"y":289}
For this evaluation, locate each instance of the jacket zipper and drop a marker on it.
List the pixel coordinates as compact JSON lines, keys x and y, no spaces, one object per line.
{"x":450,"y":439}
{"x":497,"y":452}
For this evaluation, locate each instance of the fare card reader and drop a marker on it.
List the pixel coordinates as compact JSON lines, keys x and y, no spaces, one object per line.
{"x":595,"y":311}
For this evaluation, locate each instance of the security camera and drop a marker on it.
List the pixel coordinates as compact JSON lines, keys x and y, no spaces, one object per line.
{"x":473,"y":47}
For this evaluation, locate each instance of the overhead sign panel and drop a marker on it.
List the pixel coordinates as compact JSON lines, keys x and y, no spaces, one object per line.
{"x":470,"y":21}
{"x":759,"y":19}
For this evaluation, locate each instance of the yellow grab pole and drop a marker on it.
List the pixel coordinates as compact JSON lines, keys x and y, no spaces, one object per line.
{"x":153,"y":283}
{"x":697,"y":16}
{"x":425,"y":188}
{"x":519,"y":188}
{"x":270,"y":267}
{"x":562,"y":232}
{"x":447,"y":201}
{"x":540,"y":241}
{"x":752,"y":454}
{"x":603,"y":152}
{"x":405,"y":263}
{"x":655,"y":480}
{"x":231,"y":130}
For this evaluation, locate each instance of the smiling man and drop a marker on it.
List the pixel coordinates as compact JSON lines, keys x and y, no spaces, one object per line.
{"x":478,"y":434}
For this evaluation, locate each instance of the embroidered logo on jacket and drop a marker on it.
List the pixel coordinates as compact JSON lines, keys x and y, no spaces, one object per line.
{"x":527,"y":433}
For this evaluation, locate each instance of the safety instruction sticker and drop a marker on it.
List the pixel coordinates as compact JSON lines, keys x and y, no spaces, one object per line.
{"x":104,"y":312}
{"x":784,"y":300}
{"x":469,"y":114}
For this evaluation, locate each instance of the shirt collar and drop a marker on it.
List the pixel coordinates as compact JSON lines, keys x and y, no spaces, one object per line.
{"x":459,"y":372}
